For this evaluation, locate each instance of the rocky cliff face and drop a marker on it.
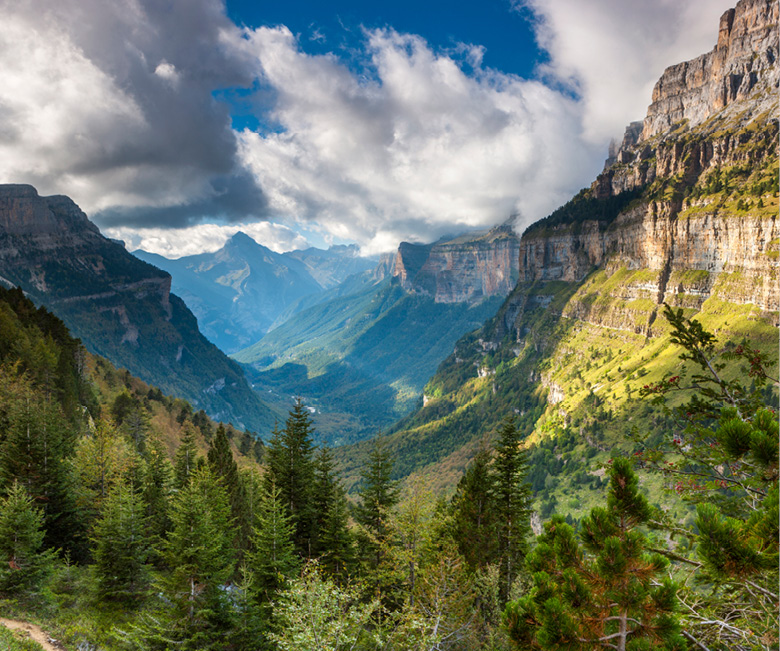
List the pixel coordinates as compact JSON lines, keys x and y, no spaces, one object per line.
{"x":743,"y":59}
{"x":119,"y":306}
{"x":693,"y":189}
{"x":464,"y":270}
{"x":685,"y":212}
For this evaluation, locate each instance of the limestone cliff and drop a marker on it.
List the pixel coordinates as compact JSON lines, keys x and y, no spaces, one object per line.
{"x":685,"y":212}
{"x":466,"y":269}
{"x":690,"y":196}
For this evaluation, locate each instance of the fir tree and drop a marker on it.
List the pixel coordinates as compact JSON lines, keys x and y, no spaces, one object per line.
{"x":201,"y":556}
{"x":186,"y":458}
{"x":605,"y":593}
{"x":473,"y":513}
{"x":378,"y":494}
{"x":21,"y":539}
{"x":332,"y":539}
{"x":121,"y":546}
{"x":291,"y":470}
{"x":156,"y":491}
{"x":512,"y":503}
{"x":34,"y":451}
{"x":272,"y":559}
{"x":224,"y":466}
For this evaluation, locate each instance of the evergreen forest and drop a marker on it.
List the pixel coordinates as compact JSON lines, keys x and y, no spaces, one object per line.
{"x":129,"y":521}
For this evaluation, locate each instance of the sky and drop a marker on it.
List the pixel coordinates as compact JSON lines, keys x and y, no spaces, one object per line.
{"x":176,"y":123}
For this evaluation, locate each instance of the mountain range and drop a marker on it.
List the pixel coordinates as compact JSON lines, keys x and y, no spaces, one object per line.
{"x":685,"y":213}
{"x":120,"y":307}
{"x":361,"y":353}
{"x":238,"y":292}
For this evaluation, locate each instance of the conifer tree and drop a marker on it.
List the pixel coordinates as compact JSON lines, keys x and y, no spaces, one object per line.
{"x":378,"y":494}
{"x":291,"y":470}
{"x":22,"y":561}
{"x":512,"y":503}
{"x":156,"y":491}
{"x":272,"y":558}
{"x":723,"y":455}
{"x":224,"y":466}
{"x":121,"y":546}
{"x":199,"y":552}
{"x":186,"y":458}
{"x":604,"y":593}
{"x":34,"y":451}
{"x":473,"y":514}
{"x":332,"y":539}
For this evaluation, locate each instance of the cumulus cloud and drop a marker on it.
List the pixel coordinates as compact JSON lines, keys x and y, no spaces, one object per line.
{"x":111,"y":103}
{"x":415,"y":149}
{"x":114,"y":104}
{"x":611,"y":52}
{"x":205,"y":238}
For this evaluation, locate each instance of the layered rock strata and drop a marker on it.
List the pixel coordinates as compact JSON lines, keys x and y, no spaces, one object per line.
{"x":464,"y":270}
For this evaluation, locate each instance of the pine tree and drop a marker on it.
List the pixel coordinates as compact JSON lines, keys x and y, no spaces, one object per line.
{"x":512,"y":503}
{"x":378,"y":494}
{"x":473,"y":514}
{"x":332,"y":538}
{"x":186,"y":458}
{"x":21,"y":539}
{"x":723,"y":456}
{"x":272,"y":558}
{"x":605,"y":593}
{"x":121,"y":546}
{"x":291,"y":470}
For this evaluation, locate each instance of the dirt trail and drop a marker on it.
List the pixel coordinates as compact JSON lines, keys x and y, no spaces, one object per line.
{"x":36,"y":633}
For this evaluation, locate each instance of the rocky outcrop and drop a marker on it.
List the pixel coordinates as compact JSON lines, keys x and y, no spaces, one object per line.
{"x":743,"y":59}
{"x":463,"y":270}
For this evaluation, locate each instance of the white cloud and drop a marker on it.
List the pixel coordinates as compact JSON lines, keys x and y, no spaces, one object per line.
{"x":111,"y":103}
{"x":416,"y":151}
{"x":205,"y":238}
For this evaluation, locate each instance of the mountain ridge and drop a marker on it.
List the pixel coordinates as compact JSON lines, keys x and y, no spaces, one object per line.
{"x":120,"y":307}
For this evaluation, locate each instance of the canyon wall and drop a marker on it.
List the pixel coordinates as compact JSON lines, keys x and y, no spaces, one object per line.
{"x":463,"y":270}
{"x":704,"y":200}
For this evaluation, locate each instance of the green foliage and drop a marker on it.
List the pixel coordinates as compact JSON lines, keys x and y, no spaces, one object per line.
{"x":474,"y":525}
{"x":186,"y":459}
{"x":724,"y":456}
{"x":363,"y":356}
{"x":333,"y":541}
{"x":602,"y":592}
{"x":121,"y":547}
{"x":24,"y":562}
{"x":224,"y":467}
{"x":378,"y":494}
{"x":511,"y":503}
{"x":199,"y":552}
{"x":272,"y":558}
{"x":12,"y":642}
{"x":290,"y":469}
{"x":315,"y":613}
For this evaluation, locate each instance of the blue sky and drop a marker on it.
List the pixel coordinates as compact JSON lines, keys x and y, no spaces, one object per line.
{"x":504,"y":31}
{"x":175,"y":123}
